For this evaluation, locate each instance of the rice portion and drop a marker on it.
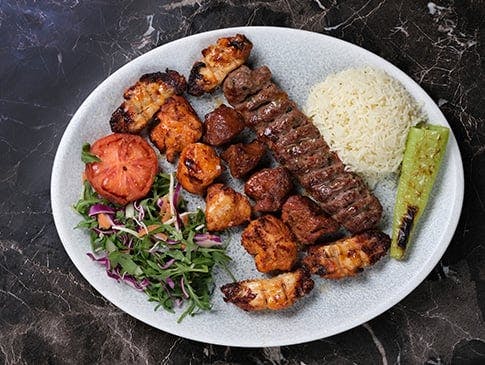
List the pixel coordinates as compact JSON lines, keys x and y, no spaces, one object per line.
{"x":364,"y":115}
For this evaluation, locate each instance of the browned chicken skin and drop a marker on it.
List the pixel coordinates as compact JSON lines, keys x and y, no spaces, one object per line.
{"x":178,"y":126}
{"x":218,"y":60}
{"x":225,"y":208}
{"x":269,"y":188}
{"x":143,"y":100}
{"x":243,"y":158}
{"x":275,"y":293}
{"x":306,"y":220}
{"x":198,"y":167}
{"x":348,"y":256}
{"x":222,"y":125}
{"x":271,"y":243}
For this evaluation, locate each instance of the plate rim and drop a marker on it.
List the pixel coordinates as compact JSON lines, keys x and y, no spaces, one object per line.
{"x":356,"y":321}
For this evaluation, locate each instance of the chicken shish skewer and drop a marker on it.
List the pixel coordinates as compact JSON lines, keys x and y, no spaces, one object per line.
{"x":143,"y":99}
{"x":198,"y":167}
{"x":271,"y":243}
{"x":347,"y":256}
{"x":275,"y":293}
{"x":218,"y":60}
{"x":178,"y":126}
{"x":225,"y":208}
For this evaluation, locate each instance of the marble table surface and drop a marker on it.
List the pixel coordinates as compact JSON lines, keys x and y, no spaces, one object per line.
{"x":54,"y":53}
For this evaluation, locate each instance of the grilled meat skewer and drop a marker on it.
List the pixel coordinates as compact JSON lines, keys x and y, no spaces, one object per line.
{"x":271,"y":243}
{"x":306,"y":220}
{"x":225,"y":208}
{"x":297,"y":144}
{"x":218,"y":60}
{"x":243,"y":158}
{"x":143,"y":100}
{"x":348,"y":256}
{"x":275,"y":293}
{"x":269,"y":188}
{"x":178,"y":126}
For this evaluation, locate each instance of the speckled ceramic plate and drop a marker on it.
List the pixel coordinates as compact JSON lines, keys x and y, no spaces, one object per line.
{"x":298,"y":59}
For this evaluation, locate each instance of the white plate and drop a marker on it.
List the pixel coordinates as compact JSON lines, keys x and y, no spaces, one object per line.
{"x":297,"y":59}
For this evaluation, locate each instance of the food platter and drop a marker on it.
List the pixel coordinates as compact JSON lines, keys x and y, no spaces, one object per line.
{"x":298,"y":59}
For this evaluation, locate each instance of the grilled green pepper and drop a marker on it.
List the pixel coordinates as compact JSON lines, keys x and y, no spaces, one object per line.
{"x":425,"y":147}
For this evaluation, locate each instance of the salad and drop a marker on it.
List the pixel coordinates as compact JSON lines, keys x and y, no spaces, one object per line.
{"x":155,"y":245}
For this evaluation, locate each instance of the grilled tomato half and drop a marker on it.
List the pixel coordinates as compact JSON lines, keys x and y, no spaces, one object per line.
{"x":127,"y":168}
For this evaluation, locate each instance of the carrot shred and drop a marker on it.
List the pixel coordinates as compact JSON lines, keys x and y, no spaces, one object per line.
{"x":142,"y":231}
{"x":104,"y":221}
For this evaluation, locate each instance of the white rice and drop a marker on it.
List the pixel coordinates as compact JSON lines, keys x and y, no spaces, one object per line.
{"x":364,"y":115}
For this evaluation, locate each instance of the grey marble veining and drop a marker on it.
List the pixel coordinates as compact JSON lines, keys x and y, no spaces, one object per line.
{"x":53,"y":54}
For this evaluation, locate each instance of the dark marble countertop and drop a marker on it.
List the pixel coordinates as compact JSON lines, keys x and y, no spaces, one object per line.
{"x":54,"y":53}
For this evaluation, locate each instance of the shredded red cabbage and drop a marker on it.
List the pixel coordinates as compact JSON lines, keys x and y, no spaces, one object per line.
{"x":113,"y":275}
{"x":175,"y":201}
{"x":207,"y":236}
{"x":103,"y":231}
{"x":170,"y":282}
{"x":102,"y":260}
{"x":167,"y":264}
{"x":176,"y":195}
{"x":207,"y":240}
{"x":208,"y":243}
{"x":139,"y":285}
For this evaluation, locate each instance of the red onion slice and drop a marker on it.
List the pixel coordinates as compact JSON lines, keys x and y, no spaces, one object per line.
{"x":100,"y":208}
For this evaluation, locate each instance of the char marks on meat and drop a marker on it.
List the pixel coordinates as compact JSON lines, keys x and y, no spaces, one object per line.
{"x":242,"y":158}
{"x":222,"y":125}
{"x":271,"y":243}
{"x":297,"y":144}
{"x":307,"y":221}
{"x":143,"y":99}
{"x":275,"y":293}
{"x":178,"y":126}
{"x":269,"y":188}
{"x":217,"y":61}
{"x":348,"y":256}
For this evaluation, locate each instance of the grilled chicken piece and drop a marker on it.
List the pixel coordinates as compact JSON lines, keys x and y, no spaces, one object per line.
{"x":178,"y":126}
{"x":198,"y":167}
{"x":218,"y":60}
{"x":225,"y":208}
{"x":269,"y":188}
{"x":298,"y":146}
{"x":143,"y":100}
{"x":348,"y":256}
{"x":242,"y":158}
{"x":222,"y":125}
{"x":271,"y":243}
{"x":275,"y":293}
{"x":306,"y":220}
